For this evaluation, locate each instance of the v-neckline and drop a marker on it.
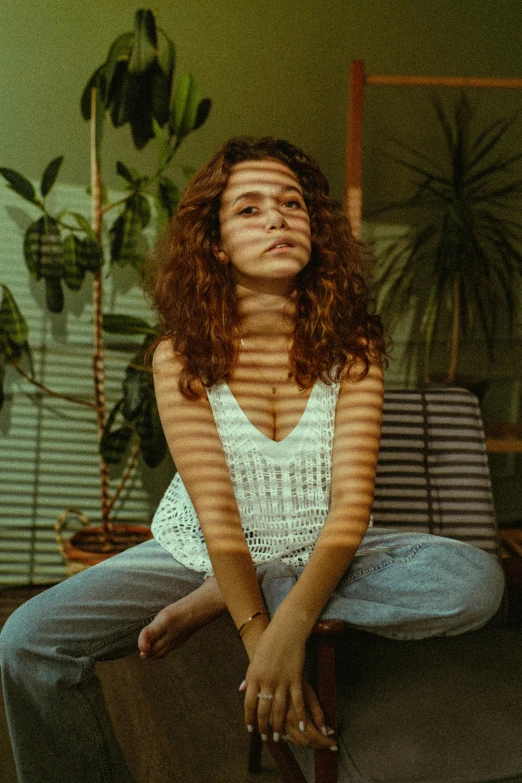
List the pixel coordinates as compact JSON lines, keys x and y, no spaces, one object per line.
{"x":261,"y":434}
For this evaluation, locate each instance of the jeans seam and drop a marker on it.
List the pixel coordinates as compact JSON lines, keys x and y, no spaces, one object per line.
{"x":383,"y":564}
{"x":100,"y":743}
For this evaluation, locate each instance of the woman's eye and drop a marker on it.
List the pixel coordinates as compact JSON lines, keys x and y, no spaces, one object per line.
{"x":293,"y":204}
{"x":247,"y":211}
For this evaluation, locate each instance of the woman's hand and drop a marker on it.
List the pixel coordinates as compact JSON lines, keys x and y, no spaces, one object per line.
{"x":274,"y":680}
{"x":316,"y":734}
{"x":313,"y":733}
{"x":276,"y":698}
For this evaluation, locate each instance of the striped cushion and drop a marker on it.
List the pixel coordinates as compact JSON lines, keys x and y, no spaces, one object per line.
{"x":433,"y":474}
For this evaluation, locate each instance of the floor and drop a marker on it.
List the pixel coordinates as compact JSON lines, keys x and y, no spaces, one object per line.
{"x":209,"y":758}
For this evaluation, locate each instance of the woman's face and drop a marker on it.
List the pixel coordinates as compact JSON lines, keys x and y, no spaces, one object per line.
{"x":265,"y":227}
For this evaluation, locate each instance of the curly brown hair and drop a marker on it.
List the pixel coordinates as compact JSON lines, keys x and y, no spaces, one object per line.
{"x":194,"y":293}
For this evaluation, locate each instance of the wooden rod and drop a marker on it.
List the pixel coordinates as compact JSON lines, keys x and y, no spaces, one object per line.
{"x":441,"y":81}
{"x":354,"y":142}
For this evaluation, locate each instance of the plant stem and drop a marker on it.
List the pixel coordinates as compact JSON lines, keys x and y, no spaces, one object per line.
{"x":455,"y":332}
{"x":47,"y":390}
{"x":128,"y":472}
{"x":119,"y":202}
{"x":98,"y":356}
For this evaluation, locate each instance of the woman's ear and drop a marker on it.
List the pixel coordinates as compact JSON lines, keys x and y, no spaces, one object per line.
{"x":220,"y":253}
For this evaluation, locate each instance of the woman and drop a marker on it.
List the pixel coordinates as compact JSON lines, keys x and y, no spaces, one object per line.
{"x":269,"y":387}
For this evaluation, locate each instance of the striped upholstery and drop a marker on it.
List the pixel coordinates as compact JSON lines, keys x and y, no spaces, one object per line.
{"x":433,"y":474}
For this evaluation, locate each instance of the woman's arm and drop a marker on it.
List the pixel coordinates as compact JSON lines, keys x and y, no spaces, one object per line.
{"x":354,"y":461}
{"x":198,"y":454}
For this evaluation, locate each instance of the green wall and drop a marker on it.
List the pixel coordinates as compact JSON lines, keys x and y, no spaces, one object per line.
{"x":270,"y":67}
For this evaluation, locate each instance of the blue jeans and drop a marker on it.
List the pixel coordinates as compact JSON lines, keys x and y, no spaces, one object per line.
{"x":399,"y":585}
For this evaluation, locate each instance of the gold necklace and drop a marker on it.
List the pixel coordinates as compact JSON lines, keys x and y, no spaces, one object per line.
{"x":274,"y":388}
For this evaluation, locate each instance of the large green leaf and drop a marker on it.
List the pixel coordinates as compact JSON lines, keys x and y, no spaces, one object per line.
{"x":185,"y":108}
{"x":12,"y":320}
{"x":115,"y":440}
{"x":19,"y":184}
{"x":50,"y":174}
{"x":166,"y":55}
{"x":129,"y":176}
{"x":43,"y":249}
{"x":98,"y":82}
{"x":143,"y":52}
{"x":168,"y":195}
{"x":161,"y":87}
{"x":136,"y":390}
{"x":119,"y":54}
{"x":150,"y":432}
{"x":54,"y":295}
{"x":145,"y":102}
{"x":120,"y":95}
{"x":126,"y":324}
{"x":74,"y":274}
{"x":89,"y":254}
{"x":127,"y":244}
{"x":202,"y":112}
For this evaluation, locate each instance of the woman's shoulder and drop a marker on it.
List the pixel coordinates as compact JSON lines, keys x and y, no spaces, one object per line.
{"x":165,"y":356}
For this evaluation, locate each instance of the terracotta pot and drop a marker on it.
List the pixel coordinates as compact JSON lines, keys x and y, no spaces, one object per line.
{"x":89,"y":546}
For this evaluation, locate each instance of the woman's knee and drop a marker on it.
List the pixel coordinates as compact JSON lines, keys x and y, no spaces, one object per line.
{"x":475,"y":582}
{"x":21,"y":629}
{"x":15,"y":636}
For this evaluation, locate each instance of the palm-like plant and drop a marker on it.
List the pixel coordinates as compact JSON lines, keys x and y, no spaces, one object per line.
{"x":460,"y":260}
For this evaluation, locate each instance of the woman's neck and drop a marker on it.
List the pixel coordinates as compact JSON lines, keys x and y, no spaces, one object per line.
{"x":264,"y":314}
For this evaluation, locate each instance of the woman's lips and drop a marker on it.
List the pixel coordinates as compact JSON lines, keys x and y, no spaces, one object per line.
{"x":280,"y":247}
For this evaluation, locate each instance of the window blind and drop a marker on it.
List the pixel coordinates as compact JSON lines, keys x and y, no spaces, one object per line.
{"x":48,"y":446}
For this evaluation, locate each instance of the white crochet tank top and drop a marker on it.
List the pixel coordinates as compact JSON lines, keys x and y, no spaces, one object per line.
{"x":282,"y":488}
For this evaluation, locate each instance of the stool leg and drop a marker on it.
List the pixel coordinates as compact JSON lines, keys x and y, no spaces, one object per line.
{"x":325,"y":761}
{"x":254,"y":752}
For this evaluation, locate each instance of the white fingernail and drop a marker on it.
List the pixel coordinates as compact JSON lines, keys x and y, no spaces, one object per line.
{"x":334,"y":747}
{"x":330,"y":732}
{"x":250,"y":728}
{"x":301,"y":725}
{"x":276,"y":736}
{"x":323,"y":730}
{"x":242,"y":685}
{"x":264,"y":737}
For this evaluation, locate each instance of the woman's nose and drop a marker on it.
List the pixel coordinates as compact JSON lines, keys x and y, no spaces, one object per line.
{"x":275,"y":219}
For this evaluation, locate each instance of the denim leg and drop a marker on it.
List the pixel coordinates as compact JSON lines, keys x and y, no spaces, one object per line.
{"x":406,"y":586}
{"x":59,"y":725}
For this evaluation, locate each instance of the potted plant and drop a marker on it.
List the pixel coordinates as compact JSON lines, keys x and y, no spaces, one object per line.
{"x":135,"y":86}
{"x":458,"y":267}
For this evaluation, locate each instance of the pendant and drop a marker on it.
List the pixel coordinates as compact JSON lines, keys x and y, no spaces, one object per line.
{"x":274,"y":389}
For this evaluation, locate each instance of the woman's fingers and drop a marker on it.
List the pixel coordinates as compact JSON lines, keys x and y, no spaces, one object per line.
{"x":258,"y":707}
{"x":298,"y":706}
{"x":314,"y":708}
{"x":250,"y":704}
{"x":312,"y":733}
{"x":264,"y":711}
{"x":311,"y":737}
{"x":278,"y":717}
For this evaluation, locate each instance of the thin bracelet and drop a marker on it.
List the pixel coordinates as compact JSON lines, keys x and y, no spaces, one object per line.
{"x":256,"y":614}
